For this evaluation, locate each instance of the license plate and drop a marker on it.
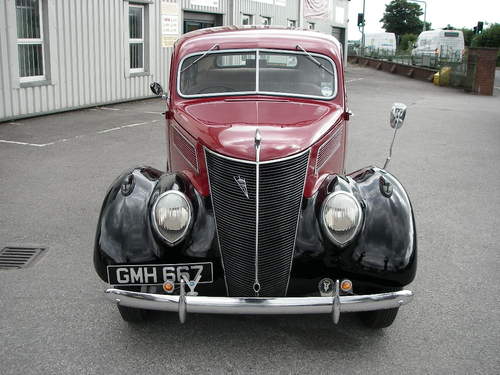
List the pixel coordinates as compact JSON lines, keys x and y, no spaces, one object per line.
{"x":157,"y":274}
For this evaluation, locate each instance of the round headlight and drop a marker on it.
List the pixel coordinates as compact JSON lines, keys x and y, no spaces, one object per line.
{"x":341,"y":217}
{"x":171,"y":216}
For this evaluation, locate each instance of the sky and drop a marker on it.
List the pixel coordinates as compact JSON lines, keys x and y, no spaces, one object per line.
{"x":458,"y":13}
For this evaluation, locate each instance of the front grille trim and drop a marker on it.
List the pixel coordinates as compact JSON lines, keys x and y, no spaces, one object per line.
{"x":305,"y":171}
{"x":296,"y":155}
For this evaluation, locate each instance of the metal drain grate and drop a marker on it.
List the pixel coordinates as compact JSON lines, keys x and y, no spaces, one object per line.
{"x":19,"y":257}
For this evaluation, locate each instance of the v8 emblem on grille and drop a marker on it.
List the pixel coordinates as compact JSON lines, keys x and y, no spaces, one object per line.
{"x":242,"y":184}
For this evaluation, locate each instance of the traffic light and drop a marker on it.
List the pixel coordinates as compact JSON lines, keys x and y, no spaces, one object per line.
{"x":361,"y":19}
{"x":479,"y":26}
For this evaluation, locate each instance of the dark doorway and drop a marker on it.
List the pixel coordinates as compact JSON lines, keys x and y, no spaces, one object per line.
{"x":194,"y":20}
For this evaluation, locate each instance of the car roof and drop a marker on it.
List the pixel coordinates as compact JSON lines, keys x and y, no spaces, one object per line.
{"x":250,"y":37}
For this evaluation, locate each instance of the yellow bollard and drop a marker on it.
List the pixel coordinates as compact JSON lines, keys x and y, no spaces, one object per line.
{"x":435,"y":80}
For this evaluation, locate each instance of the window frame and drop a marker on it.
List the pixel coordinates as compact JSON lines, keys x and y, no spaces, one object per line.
{"x":137,"y":40}
{"x":266,"y":18}
{"x":32,"y":41}
{"x":250,"y":18}
{"x":257,"y":91}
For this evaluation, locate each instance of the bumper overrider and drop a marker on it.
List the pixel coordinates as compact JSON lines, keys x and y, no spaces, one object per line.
{"x":333,"y":304}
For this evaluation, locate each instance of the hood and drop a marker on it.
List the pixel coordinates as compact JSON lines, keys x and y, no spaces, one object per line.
{"x":228,"y":126}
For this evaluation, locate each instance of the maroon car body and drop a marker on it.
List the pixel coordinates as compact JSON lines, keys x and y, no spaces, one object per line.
{"x":255,"y":213}
{"x":227,"y":124}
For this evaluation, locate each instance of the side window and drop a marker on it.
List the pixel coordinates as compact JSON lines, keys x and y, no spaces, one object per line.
{"x":136,"y":38}
{"x":247,"y":19}
{"x":266,"y":21}
{"x":30,"y":42}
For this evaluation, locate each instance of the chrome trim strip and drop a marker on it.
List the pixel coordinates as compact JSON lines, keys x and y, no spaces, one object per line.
{"x":256,"y":92}
{"x":195,"y":167}
{"x":190,"y":211}
{"x":258,"y":139}
{"x":260,"y":162}
{"x":215,"y":219}
{"x":259,"y":305}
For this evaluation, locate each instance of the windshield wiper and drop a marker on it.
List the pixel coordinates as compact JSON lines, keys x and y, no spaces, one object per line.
{"x":313,"y":59}
{"x":199,"y":58}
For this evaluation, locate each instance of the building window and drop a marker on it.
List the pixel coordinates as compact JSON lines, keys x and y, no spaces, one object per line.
{"x":30,"y":40}
{"x":291,"y":23}
{"x":136,"y":37}
{"x":310,"y":25}
{"x":266,"y":21}
{"x":247,"y":19}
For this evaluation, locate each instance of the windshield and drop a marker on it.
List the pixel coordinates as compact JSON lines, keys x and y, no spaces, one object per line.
{"x":278,"y":73}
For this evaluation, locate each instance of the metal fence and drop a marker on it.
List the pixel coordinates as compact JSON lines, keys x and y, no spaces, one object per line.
{"x":452,"y":65}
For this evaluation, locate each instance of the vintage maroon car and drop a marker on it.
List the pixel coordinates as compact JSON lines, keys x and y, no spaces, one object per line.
{"x":255,"y":213}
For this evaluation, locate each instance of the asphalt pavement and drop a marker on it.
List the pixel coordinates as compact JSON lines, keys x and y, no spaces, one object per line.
{"x":54,"y":319}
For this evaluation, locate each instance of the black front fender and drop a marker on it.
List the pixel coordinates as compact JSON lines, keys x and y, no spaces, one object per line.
{"x":385,"y":251}
{"x":125,"y":234}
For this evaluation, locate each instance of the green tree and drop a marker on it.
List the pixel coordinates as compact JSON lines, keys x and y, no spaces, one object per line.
{"x":488,"y":38}
{"x":401,"y":17}
{"x":407,"y":41}
{"x":468,"y":35}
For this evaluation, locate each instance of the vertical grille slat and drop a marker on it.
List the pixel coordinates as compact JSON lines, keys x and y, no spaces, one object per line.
{"x":280,"y":191}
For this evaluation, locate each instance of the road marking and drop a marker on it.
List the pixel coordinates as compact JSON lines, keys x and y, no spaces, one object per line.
{"x":108,"y":130}
{"x":155,"y":113}
{"x":78,"y":136}
{"x":133,"y":125}
{"x":109,"y":109}
{"x":26,"y":144}
{"x":354,"y":80}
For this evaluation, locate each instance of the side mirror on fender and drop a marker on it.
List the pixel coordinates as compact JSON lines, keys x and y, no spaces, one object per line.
{"x":398,"y":113}
{"x":397,"y":118}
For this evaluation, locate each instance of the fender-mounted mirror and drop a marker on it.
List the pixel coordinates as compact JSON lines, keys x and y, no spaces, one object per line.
{"x":156,"y":88}
{"x":398,"y":113}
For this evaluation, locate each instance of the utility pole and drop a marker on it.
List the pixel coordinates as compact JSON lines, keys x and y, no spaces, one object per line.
{"x":425,"y":11}
{"x":363,"y":31}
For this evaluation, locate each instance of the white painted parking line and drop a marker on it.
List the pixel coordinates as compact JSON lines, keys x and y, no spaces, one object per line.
{"x":108,"y":130}
{"x":109,"y":109}
{"x":134,"y":125}
{"x":354,"y":80}
{"x":79,"y":136}
{"x":26,"y":144}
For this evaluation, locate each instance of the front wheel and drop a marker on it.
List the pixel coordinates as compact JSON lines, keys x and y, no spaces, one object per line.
{"x":132,"y":315}
{"x":379,"y":318}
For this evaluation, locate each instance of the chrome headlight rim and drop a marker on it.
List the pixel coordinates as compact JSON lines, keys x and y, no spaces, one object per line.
{"x":190,"y":213}
{"x":357,"y":227}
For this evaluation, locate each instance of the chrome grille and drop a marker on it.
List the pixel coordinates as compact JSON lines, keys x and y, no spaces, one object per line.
{"x":280,"y":196}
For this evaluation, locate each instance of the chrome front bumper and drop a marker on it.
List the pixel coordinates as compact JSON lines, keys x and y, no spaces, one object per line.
{"x":333,"y":305}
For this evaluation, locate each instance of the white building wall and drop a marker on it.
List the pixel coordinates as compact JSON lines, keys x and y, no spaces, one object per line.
{"x":87,"y":57}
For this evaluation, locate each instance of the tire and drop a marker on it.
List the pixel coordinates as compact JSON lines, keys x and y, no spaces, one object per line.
{"x":132,"y":315}
{"x":379,"y":318}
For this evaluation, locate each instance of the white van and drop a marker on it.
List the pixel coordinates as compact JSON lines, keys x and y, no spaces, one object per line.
{"x":382,"y":42}
{"x":440,"y":43}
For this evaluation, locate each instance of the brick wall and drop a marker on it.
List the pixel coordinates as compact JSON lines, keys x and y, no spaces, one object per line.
{"x":482,"y":64}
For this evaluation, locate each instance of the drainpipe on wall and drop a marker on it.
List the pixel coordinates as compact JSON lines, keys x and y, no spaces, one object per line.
{"x":301,"y":14}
